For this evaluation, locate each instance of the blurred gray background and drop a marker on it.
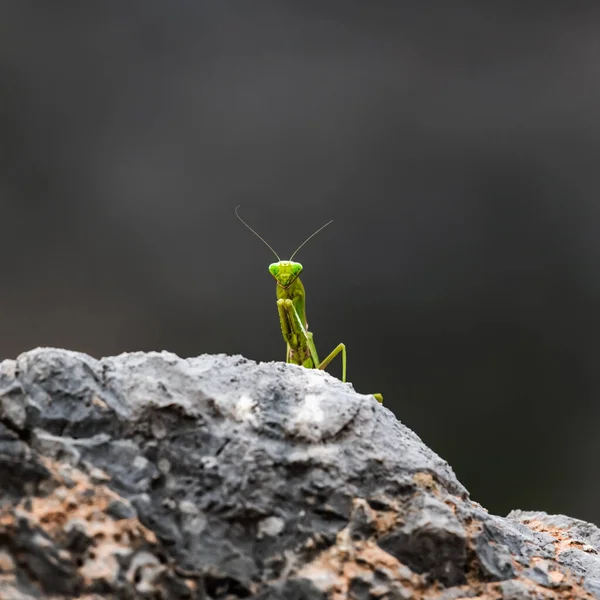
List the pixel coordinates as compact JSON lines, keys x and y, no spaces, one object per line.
{"x":456,"y":145}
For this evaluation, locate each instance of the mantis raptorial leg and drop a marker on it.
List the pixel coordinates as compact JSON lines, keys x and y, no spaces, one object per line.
{"x":293,"y":330}
{"x":291,"y":305}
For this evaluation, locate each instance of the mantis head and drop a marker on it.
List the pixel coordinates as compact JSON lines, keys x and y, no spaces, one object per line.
{"x":285,"y":272}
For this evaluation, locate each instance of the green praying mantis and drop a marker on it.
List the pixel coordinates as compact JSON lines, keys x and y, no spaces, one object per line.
{"x":300,"y":346}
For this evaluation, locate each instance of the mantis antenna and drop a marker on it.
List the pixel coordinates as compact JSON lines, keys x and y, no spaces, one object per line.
{"x":269,"y":246}
{"x":256,"y":234}
{"x":309,"y":237}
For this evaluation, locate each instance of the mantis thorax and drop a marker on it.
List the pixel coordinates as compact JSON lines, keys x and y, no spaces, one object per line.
{"x":285,"y":272}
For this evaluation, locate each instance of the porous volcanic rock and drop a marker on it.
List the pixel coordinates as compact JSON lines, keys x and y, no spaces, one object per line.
{"x":150,"y":476}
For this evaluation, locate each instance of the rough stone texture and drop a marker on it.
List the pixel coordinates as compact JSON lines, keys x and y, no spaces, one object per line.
{"x":151,"y":476}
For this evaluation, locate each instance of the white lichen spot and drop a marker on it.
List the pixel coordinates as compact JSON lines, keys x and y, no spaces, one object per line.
{"x":8,"y":368}
{"x":96,"y":401}
{"x":144,"y":570}
{"x":14,"y":411}
{"x":164,"y":465}
{"x":159,"y":431}
{"x":140,"y":462}
{"x":99,"y":476}
{"x":169,"y":503}
{"x":209,"y":462}
{"x":322,"y":578}
{"x":41,"y":541}
{"x":310,"y":412}
{"x":271,"y":526}
{"x":105,"y":569}
{"x":245,"y":409}
{"x":197,"y":524}
{"x":188,"y":508}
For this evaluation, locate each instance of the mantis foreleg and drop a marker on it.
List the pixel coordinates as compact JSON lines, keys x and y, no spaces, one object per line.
{"x":300,"y":341}
{"x":294,"y":333}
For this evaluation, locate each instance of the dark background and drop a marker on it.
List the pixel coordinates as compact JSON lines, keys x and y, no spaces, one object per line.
{"x":456,"y":146}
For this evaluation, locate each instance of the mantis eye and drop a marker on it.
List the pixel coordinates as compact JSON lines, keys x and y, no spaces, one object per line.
{"x":296,"y":269}
{"x":274,"y":269}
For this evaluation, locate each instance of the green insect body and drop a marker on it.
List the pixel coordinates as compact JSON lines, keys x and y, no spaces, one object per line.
{"x":291,"y":305}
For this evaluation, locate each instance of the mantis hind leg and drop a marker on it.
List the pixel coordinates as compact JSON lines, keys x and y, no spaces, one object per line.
{"x":341,"y":348}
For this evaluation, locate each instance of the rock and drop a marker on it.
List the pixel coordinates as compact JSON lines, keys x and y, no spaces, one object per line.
{"x":431,"y":540}
{"x":152,"y":476}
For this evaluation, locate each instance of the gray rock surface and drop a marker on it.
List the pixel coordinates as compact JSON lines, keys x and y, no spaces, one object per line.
{"x":152,"y":476}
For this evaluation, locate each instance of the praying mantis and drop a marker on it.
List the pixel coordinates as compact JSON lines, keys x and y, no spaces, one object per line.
{"x":300,"y":346}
